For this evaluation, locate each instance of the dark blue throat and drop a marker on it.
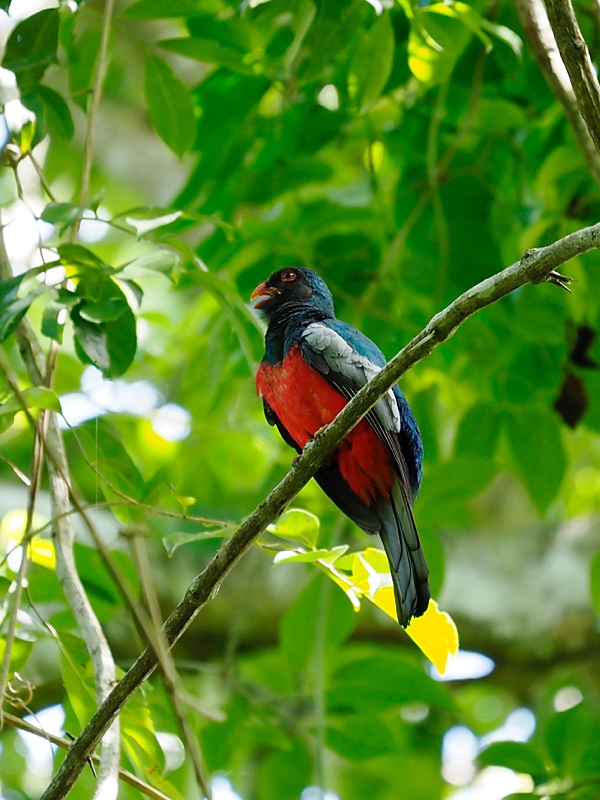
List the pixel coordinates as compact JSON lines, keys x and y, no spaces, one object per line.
{"x":286,"y":325}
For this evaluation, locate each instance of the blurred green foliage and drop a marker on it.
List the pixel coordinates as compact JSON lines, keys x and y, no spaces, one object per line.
{"x":406,"y":151}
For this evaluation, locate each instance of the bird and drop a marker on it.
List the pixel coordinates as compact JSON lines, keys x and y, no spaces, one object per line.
{"x":312,"y":366}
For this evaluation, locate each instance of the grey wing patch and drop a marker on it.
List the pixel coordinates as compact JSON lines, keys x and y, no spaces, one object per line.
{"x":331,"y":353}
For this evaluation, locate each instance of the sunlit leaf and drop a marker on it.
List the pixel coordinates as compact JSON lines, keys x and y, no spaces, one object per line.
{"x":436,"y":634}
{"x":41,"y":551}
{"x":297,"y":525}
{"x":174,"y":540}
{"x":438,"y":37}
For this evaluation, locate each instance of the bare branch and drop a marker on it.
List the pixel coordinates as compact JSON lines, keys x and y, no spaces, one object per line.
{"x":577,"y":60}
{"x":536,"y":266}
{"x":541,"y":38}
{"x":89,"y":626}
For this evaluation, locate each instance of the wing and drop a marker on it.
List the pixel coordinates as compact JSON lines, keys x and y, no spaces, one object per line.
{"x":348,"y":360}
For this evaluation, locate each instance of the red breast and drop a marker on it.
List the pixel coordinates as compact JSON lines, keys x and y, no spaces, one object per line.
{"x":304,"y":402}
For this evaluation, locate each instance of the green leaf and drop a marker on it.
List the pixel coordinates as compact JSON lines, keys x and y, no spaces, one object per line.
{"x":62,"y":214}
{"x":35,"y":397}
{"x":158,"y":9}
{"x":169,"y":106}
{"x":104,"y":325}
{"x":573,"y":741}
{"x":284,"y":774}
{"x":504,"y":34}
{"x":77,"y":677}
{"x":159,"y":260}
{"x":32,"y":45}
{"x":517,"y":756}
{"x":78,"y":255}
{"x":208,"y":51}
{"x":148,"y":220}
{"x":12,"y":307}
{"x":106,"y":311}
{"x":57,"y":111}
{"x":372,"y":62}
{"x":111,"y":345}
{"x":321,"y":609}
{"x":373,"y":684}
{"x":535,"y":439}
{"x":438,"y":37}
{"x":523,"y":796}
{"x":297,"y":525}
{"x":82,"y":62}
{"x":595,"y":583}
{"x":121,"y":343}
{"x":456,"y":481}
{"x":478,"y":431}
{"x":118,"y":473}
{"x":309,"y":557}
{"x":172,"y":541}
{"x":358,"y":737}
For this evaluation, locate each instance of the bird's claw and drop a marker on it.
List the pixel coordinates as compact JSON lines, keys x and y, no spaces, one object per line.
{"x":560,"y":280}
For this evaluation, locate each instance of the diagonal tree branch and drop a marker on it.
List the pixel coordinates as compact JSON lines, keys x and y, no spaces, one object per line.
{"x":577,"y":60}
{"x":543,"y":44}
{"x":536,"y":266}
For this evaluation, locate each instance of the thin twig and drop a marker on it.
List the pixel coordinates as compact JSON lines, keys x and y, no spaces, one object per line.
{"x":41,"y":176}
{"x":160,"y":647}
{"x":577,"y":60}
{"x":536,"y":266}
{"x":36,"y":476}
{"x":59,"y":741}
{"x":93,"y":114}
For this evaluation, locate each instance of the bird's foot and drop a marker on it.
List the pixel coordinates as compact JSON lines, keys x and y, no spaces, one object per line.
{"x":560,"y":280}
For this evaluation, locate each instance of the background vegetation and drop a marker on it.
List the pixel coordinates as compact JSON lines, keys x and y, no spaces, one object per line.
{"x":405,"y":151}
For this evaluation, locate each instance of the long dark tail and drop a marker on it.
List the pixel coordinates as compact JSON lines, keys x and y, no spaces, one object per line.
{"x":410,"y":574}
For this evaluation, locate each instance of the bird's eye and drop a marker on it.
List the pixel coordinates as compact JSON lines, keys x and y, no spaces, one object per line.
{"x":288,"y":275}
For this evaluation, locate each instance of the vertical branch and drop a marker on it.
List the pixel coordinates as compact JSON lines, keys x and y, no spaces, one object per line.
{"x":543,"y":44}
{"x":36,"y":474}
{"x":578,"y":62}
{"x":64,"y":534}
{"x":88,"y":157}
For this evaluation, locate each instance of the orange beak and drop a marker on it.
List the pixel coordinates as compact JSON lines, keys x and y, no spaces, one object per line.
{"x":264,"y":291}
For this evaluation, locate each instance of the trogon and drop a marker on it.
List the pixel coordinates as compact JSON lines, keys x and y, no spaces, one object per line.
{"x":313,"y":365}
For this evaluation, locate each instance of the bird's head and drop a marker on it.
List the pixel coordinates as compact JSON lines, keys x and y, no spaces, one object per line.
{"x":293,"y":286}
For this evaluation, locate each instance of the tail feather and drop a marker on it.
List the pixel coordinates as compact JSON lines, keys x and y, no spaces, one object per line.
{"x":400,"y":539}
